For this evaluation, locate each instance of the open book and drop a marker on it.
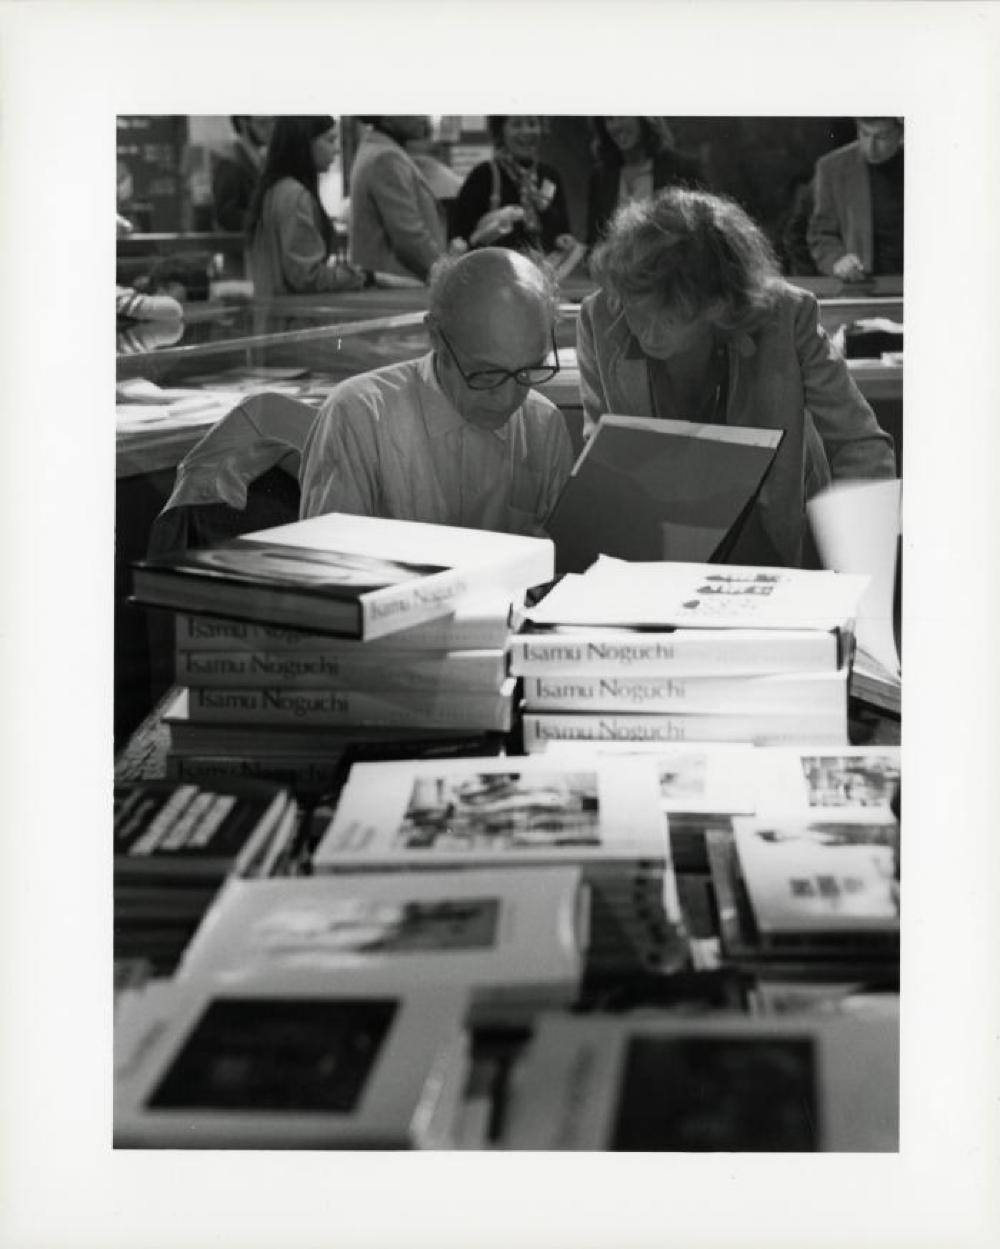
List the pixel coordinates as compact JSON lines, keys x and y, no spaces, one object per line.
{"x":646,"y":489}
{"x":857,"y":529}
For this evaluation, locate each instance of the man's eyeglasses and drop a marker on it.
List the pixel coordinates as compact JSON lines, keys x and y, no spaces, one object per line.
{"x":493,"y":379}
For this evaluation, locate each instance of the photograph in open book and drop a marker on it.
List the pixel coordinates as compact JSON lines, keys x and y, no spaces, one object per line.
{"x":314,"y":931}
{"x":497,"y":808}
{"x":854,"y":783}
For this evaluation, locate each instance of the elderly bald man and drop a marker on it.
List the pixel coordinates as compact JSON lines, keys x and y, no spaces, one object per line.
{"x":456,"y":437}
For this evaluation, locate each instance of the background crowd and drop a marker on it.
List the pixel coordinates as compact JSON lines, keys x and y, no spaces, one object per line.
{"x":831,"y":203}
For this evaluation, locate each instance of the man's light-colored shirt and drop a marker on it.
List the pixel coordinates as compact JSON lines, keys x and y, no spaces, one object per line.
{"x":389,"y":443}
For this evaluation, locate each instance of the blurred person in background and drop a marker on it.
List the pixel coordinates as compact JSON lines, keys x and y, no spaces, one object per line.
{"x":693,"y":323}
{"x":634,"y":156}
{"x":513,"y":200}
{"x":856,"y":228}
{"x":290,"y":237}
{"x":236,"y":170}
{"x":795,"y":254}
{"x":444,"y":183}
{"x":396,"y":228}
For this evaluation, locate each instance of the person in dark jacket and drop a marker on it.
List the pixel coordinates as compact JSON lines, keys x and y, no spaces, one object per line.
{"x":635,"y":156}
{"x":856,"y":228}
{"x":235,"y":172}
{"x":513,"y":200}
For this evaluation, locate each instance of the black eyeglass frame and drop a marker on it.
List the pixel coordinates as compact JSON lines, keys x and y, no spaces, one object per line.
{"x":539,"y":372}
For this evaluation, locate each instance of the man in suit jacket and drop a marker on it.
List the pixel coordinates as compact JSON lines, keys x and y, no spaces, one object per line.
{"x":857,"y":224}
{"x":395,"y":227}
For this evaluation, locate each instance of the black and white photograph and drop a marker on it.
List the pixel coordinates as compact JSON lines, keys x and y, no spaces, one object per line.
{"x":497,"y":808}
{"x":851,"y":780}
{"x":358,"y":926}
{"x":479,"y":649}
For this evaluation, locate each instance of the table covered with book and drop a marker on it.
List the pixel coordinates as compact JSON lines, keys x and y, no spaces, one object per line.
{"x":614,"y":833}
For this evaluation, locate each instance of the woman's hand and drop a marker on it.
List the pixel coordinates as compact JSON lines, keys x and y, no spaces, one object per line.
{"x":849,"y":268}
{"x":349,"y":278}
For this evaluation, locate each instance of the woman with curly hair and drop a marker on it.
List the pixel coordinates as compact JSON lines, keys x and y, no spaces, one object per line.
{"x":634,"y":156}
{"x":289,"y":234}
{"x":692,"y":322}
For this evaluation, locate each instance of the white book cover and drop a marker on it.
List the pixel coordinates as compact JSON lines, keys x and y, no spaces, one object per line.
{"x":722,"y":1083}
{"x":717,"y":778}
{"x":850,"y":783}
{"x":511,"y":811}
{"x":819,"y":875}
{"x":811,"y":692}
{"x":679,"y":652}
{"x":520,"y":933}
{"x":710,"y":596}
{"x":282,"y":1061}
{"x":541,"y":729}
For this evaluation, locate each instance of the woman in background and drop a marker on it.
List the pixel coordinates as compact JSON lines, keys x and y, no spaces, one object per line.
{"x":513,"y":200}
{"x":692,"y":322}
{"x":290,"y":236}
{"x":634,"y":156}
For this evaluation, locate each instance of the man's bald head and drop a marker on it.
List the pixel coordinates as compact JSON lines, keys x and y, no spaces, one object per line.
{"x":490,"y":310}
{"x":479,"y":284}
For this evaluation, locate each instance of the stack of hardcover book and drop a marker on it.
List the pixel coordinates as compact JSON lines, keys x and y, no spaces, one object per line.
{"x":175,"y":845}
{"x":295,"y":643}
{"x":688,"y":652}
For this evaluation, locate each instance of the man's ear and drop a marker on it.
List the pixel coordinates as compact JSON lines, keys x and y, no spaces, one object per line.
{"x":431,"y":322}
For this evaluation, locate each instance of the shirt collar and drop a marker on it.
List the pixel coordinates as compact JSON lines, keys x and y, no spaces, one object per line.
{"x":439,"y":415}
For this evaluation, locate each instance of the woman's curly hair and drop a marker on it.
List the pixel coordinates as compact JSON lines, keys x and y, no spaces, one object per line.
{"x":700,"y":255}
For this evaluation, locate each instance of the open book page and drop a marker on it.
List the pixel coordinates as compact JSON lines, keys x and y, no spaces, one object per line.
{"x":857,"y":526}
{"x":616,"y":592}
